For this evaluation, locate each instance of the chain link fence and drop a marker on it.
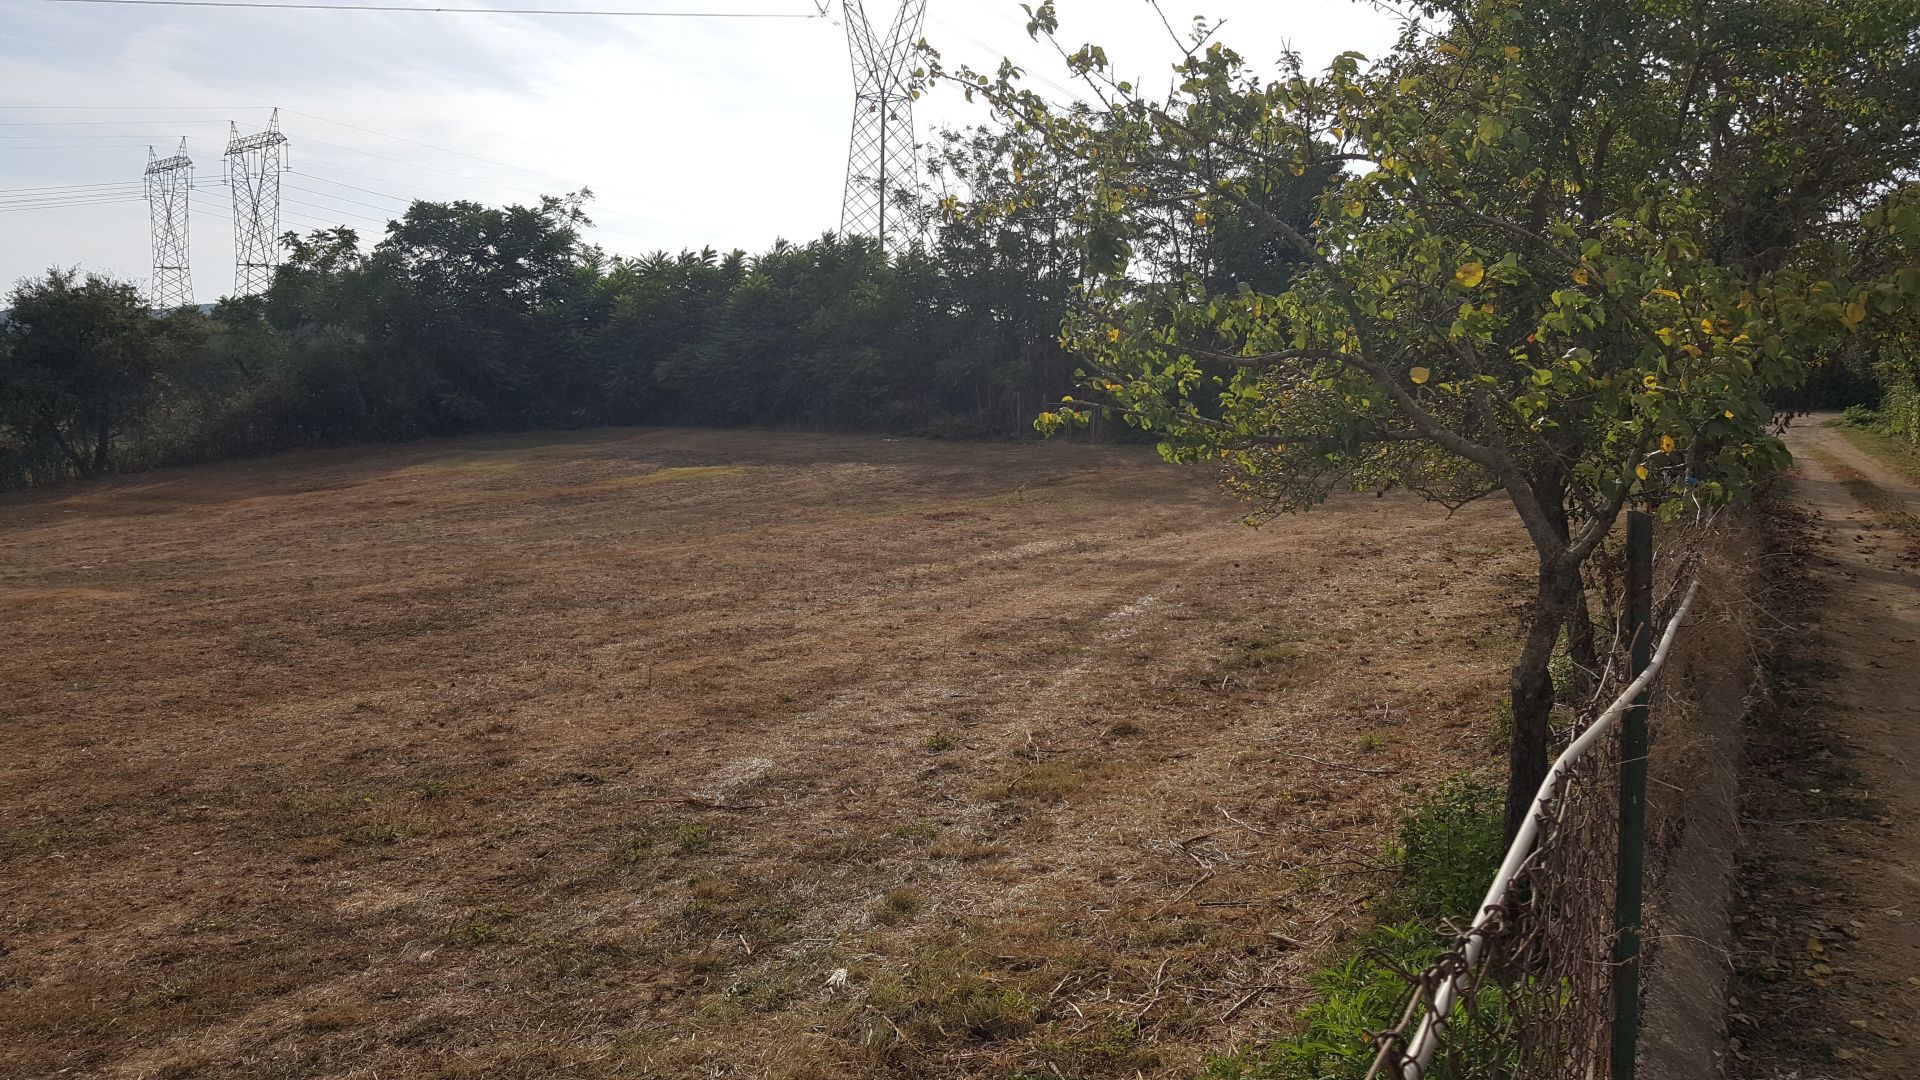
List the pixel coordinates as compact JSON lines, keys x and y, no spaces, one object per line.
{"x":1527,"y":988}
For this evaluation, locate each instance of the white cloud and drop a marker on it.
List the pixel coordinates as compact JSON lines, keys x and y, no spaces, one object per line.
{"x":690,"y":131}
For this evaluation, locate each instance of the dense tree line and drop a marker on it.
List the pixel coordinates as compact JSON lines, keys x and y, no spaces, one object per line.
{"x":467,"y":318}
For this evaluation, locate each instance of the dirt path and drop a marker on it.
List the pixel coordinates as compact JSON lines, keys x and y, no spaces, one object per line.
{"x":1842,"y":966}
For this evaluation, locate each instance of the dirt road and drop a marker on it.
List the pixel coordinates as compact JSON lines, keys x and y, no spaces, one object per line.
{"x":1840,"y":989}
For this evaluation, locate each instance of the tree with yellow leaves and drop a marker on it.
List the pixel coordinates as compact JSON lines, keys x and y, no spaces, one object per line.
{"x":1571,"y":254}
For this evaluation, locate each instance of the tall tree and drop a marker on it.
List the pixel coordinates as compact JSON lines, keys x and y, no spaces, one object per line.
{"x":79,"y":362}
{"x":1571,"y":251}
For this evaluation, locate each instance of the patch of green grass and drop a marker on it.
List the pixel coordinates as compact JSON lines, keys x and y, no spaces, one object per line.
{"x":1112,"y":1048}
{"x":483,"y":929}
{"x":1896,"y":454}
{"x":693,"y":837}
{"x":937,"y":743}
{"x":1363,"y":992}
{"x":378,"y":832}
{"x":945,"y":992}
{"x":1448,"y":850}
{"x":919,"y":831}
{"x":898,"y":906}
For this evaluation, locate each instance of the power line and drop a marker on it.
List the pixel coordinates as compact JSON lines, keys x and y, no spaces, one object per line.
{"x":317,"y":178}
{"x":601,"y":214}
{"x":56,"y":188}
{"x":84,"y":123}
{"x":67,"y":200}
{"x":451,"y":11}
{"x":430,"y":146}
{"x":598,"y":212}
{"x":355,"y":202}
{"x":127,"y":108}
{"x":64,"y":205}
{"x":116,"y":135}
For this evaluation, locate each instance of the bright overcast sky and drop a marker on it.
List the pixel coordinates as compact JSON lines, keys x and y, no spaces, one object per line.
{"x":691,"y":132}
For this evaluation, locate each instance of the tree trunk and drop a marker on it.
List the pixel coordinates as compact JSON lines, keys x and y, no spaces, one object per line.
{"x":1532,"y":687}
{"x":102,"y":445}
{"x":1581,"y":647}
{"x":59,"y":439}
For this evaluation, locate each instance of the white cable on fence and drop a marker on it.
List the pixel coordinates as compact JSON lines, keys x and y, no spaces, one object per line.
{"x":1426,"y":1039}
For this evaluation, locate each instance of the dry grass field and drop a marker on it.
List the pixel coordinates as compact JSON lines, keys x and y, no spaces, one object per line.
{"x":708,"y":754}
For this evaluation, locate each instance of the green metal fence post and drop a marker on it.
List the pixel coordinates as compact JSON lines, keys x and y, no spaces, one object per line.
{"x":1633,"y":802}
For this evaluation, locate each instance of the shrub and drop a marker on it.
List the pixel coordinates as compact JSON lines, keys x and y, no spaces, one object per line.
{"x":1449,"y":850}
{"x":1861,"y":416}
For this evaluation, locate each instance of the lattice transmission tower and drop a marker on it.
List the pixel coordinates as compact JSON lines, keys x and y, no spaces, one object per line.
{"x":169,"y":181}
{"x":881,"y":158}
{"x":254,"y":163}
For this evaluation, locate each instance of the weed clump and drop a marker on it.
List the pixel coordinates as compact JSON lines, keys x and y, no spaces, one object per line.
{"x":897,"y":906}
{"x":1448,"y":850}
{"x":945,"y":994}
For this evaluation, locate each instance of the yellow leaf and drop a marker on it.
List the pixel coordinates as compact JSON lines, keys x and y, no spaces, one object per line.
{"x":1856,"y":314}
{"x":1690,"y":349}
{"x":1448,"y":47}
{"x":1512,"y":51}
{"x":1113,"y":333}
{"x":1355,"y":208}
{"x":1200,"y":217}
{"x":1640,"y":471}
{"x":1706,"y":326}
{"x":1419,"y":376}
{"x":1668,"y":293}
{"x":1470,"y":274}
{"x":1666,"y":444}
{"x":1650,"y":380}
{"x":1728,"y":413}
{"x":1665,"y":334}
{"x":1581,"y":277}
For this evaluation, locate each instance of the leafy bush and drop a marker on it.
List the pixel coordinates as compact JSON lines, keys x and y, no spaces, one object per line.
{"x":1449,"y":850}
{"x":1861,"y":416}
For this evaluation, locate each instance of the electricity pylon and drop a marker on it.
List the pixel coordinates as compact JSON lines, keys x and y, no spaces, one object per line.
{"x":169,"y":180}
{"x":881,"y":159}
{"x":254,"y":163}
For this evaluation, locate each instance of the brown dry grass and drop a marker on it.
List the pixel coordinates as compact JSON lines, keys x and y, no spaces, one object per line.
{"x":598,"y":755}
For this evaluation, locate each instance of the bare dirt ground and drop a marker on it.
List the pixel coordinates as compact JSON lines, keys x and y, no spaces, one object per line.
{"x":1829,"y":949}
{"x":676,"y":754}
